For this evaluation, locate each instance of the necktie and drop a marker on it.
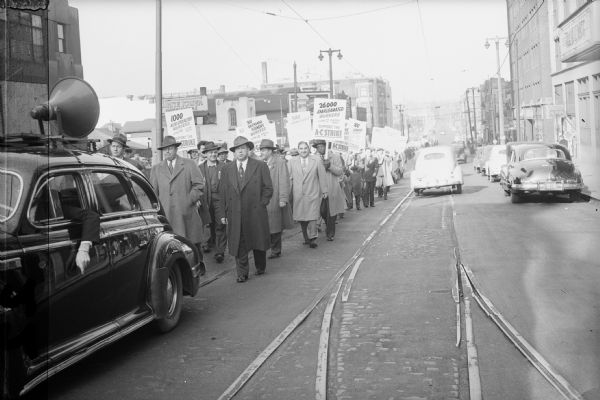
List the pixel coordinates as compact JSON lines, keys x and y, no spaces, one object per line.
{"x":170,"y":164}
{"x":304,"y":164}
{"x":241,"y":172}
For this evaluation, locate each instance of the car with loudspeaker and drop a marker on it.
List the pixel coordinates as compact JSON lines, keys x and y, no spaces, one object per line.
{"x":55,"y":309}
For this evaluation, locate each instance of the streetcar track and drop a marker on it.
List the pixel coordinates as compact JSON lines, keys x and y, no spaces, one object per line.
{"x":473,"y":289}
{"x":247,"y":374}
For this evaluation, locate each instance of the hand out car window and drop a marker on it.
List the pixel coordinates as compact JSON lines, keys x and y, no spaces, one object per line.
{"x":145,"y":196}
{"x":11,"y":195}
{"x":53,"y":196}
{"x":111,"y":192}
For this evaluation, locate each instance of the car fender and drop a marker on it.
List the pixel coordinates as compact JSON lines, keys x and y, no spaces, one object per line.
{"x":166,"y":250}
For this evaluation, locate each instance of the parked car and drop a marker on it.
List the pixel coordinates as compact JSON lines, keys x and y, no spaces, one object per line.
{"x":487,"y":150}
{"x":461,"y":154}
{"x":493,"y":165}
{"x":538,"y":168}
{"x":53,"y":312}
{"x":436,"y":167}
{"x":477,"y":159}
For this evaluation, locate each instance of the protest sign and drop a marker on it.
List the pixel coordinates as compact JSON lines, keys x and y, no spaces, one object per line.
{"x":388,"y":138}
{"x":340,"y":147}
{"x":180,"y":125}
{"x":298,"y":128}
{"x":256,"y":129}
{"x":356,"y":134}
{"x":329,"y":119}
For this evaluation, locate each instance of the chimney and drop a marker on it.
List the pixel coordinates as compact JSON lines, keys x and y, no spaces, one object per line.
{"x":202,"y":90}
{"x":222,"y":89}
{"x":265,"y":79}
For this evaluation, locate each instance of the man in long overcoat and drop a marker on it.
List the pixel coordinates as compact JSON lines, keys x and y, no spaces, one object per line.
{"x":336,"y":199}
{"x":212,"y":169}
{"x":179,"y":185}
{"x":280,"y":216}
{"x":309,"y":187}
{"x":370,"y":177}
{"x":245,"y":190}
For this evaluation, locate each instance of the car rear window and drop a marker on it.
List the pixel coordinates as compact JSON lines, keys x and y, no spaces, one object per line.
{"x":10,"y":195}
{"x":434,"y":156}
{"x":543,"y":153}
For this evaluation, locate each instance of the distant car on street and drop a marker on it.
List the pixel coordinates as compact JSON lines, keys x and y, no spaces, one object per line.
{"x":460,"y":151}
{"x":436,"y":167}
{"x":539,"y":168}
{"x":485,"y":156}
{"x":493,"y":165}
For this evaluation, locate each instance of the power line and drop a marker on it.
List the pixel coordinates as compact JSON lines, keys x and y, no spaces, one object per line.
{"x":361,"y":12}
{"x":271,"y":14}
{"x":240,"y":58}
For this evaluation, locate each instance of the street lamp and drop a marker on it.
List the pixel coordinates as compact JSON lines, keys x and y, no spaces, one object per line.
{"x":339,"y":56}
{"x":500,"y":102}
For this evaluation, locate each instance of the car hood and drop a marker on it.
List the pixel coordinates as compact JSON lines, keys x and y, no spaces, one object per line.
{"x":555,"y":167}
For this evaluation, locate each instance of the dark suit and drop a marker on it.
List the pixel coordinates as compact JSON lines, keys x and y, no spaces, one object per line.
{"x":218,"y":235}
{"x":370,"y":176}
{"x":244,"y":203}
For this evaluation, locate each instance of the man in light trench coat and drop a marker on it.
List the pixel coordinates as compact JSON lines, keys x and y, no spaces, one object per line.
{"x":245,"y":190}
{"x":179,"y":185}
{"x":309,"y":187}
{"x":280,"y":215}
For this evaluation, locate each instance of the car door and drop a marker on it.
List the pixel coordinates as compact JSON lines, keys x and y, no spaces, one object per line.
{"x":126,"y":236}
{"x":72,"y":308}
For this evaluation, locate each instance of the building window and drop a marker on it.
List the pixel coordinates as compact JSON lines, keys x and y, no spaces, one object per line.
{"x":557,"y":55}
{"x":558,"y":95}
{"x":27,"y":40}
{"x":60,"y":28}
{"x":232,"y":118}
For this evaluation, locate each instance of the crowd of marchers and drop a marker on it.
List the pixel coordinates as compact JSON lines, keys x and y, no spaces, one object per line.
{"x":244,"y":203}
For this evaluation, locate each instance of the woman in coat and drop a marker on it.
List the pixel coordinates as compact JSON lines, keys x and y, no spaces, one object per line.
{"x":309,"y":187}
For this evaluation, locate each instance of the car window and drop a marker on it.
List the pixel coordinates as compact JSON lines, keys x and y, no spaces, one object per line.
{"x":144,"y":193}
{"x":543,"y":153}
{"x":10,"y":195}
{"x":111,"y":192}
{"x":54,"y":199}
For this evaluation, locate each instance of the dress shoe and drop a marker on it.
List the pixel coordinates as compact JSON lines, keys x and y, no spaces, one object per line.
{"x":357,"y":208}
{"x":275,"y":255}
{"x":205,"y":249}
{"x":330,"y":238}
{"x":219,"y":257}
{"x":313,"y":244}
{"x":306,"y":242}
{"x":372,"y":205}
{"x":241,"y":279}
{"x":259,"y":273}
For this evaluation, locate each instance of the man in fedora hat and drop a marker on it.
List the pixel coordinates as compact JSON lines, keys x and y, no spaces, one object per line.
{"x":244,"y":193}
{"x":280,"y":216}
{"x":222,"y":155}
{"x":118,"y":144}
{"x":179,"y":185}
{"x":334,"y":204}
{"x":211,"y":169}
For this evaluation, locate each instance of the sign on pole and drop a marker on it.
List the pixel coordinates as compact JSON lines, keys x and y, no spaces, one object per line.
{"x":298,"y":128}
{"x":256,"y":129}
{"x":180,"y":125}
{"x":329,"y":119}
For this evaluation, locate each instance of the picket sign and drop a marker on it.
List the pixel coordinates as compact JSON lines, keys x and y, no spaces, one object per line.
{"x":181,"y":125}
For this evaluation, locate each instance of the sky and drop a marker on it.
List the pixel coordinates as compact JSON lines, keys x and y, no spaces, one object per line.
{"x":429,"y":51}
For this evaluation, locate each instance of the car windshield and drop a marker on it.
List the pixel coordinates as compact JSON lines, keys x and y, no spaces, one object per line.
{"x":435,"y":160}
{"x":10,"y":196}
{"x":543,"y":153}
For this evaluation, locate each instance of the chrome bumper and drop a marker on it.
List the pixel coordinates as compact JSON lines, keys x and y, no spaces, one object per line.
{"x":547,"y":186}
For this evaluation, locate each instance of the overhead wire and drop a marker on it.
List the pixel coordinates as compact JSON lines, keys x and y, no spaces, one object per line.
{"x":361,"y":12}
{"x":240,"y":58}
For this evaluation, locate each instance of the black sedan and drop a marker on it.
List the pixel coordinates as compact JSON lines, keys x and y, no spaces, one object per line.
{"x":539,"y":168}
{"x":53,"y":312}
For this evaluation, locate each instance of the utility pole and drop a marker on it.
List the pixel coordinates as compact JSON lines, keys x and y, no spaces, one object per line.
{"x":339,"y":56}
{"x":157,"y":140}
{"x":474,"y":113}
{"x":469,"y":114}
{"x":518,"y":91}
{"x":500,"y":102}
{"x":295,"y":89}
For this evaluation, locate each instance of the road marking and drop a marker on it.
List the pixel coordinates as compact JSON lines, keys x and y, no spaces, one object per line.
{"x":278,"y":341}
{"x":536,"y":359}
{"x":321,"y":381}
{"x":350,"y":280}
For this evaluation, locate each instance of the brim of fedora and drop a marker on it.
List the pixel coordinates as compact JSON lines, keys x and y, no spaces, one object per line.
{"x":210,"y":149}
{"x":250,"y":145}
{"x":169,"y":145}
{"x":118,"y":141}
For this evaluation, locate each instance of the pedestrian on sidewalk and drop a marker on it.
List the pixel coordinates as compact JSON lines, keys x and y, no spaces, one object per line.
{"x":280,"y":215}
{"x":245,"y":190}
{"x":179,"y":185}
{"x":334,"y":203}
{"x":309,"y":187}
{"x":370,"y":176}
{"x":356,"y":184}
{"x":212,"y":169}
{"x":385,"y":171}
